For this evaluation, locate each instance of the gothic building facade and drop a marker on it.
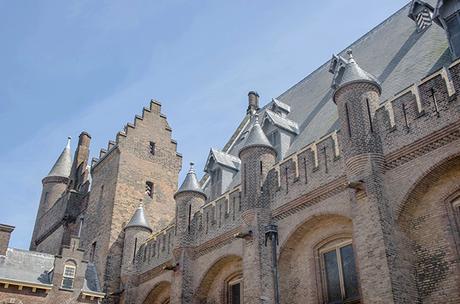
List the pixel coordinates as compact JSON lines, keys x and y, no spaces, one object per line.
{"x":344,"y":189}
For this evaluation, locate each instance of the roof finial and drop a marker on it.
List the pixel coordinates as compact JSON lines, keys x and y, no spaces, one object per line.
{"x":68,"y":141}
{"x":192,"y":168}
{"x":141,"y":203}
{"x":350,"y":55}
{"x":256,"y":118}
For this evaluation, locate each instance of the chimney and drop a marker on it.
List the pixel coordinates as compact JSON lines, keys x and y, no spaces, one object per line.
{"x":77,"y":174}
{"x":253,"y":102}
{"x":5,"y":234}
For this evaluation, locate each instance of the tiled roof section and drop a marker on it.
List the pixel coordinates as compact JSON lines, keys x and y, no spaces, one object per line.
{"x":27,"y":266}
{"x":256,"y":136}
{"x":138,"y":219}
{"x":91,"y":283}
{"x":63,"y":164}
{"x":223,"y":159}
{"x":190,"y":182}
{"x":281,"y":122}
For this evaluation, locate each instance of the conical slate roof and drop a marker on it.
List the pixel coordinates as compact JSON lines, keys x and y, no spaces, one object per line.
{"x":190,"y":182}
{"x":352,"y":72}
{"x":64,"y":163}
{"x":256,"y":136}
{"x":138,"y":219}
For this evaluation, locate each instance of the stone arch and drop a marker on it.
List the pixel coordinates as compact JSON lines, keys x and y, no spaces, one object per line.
{"x":428,"y":234}
{"x":299,"y":271}
{"x":212,"y":287}
{"x":160,"y":294}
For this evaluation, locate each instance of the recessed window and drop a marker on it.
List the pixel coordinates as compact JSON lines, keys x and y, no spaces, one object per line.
{"x":68,"y":276}
{"x":149,"y":188}
{"x":235,"y":291}
{"x":274,"y":138}
{"x":339,"y":274}
{"x":93,"y":252}
{"x":152,"y":148}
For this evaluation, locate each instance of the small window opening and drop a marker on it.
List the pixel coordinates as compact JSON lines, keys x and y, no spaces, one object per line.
{"x":135,"y":249}
{"x":92,"y":254}
{"x":152,"y":148}
{"x":369,"y":115}
{"x":68,"y":276}
{"x":347,"y":118}
{"x":149,"y":188}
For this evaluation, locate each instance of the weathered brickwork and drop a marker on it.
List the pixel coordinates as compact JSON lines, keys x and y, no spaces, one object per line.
{"x":379,"y":192}
{"x":356,"y":190}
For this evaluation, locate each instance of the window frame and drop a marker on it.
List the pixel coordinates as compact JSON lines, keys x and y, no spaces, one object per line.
{"x":149,"y":188}
{"x":152,"y":148}
{"x":231,"y":281}
{"x":335,"y":245}
{"x":71,"y":277}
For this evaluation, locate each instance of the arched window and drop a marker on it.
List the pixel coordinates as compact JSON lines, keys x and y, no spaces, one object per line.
{"x":234,"y":288}
{"x":338,"y":272}
{"x":68,"y":276}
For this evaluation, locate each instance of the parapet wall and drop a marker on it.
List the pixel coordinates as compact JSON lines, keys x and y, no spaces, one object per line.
{"x":418,"y":113}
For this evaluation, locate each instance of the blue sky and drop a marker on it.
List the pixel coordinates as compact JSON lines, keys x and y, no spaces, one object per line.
{"x":68,"y":66}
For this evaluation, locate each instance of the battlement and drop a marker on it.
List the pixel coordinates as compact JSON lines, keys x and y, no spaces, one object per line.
{"x":420,"y":109}
{"x":156,"y":250}
{"x":123,"y":135}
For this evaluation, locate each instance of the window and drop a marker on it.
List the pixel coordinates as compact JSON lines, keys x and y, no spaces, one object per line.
{"x":340,"y":281}
{"x":152,"y":148}
{"x":68,"y":276}
{"x":93,"y":252}
{"x":235,"y":291}
{"x":149,"y":188}
{"x":274,"y":138}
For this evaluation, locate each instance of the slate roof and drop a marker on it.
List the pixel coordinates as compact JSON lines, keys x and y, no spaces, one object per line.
{"x":223,"y":159}
{"x":138,"y":219}
{"x":256,"y":136}
{"x":37,"y":268}
{"x":281,"y":105}
{"x":63,"y":164}
{"x":91,"y":282}
{"x":190,"y":182}
{"x":281,"y":122}
{"x":394,"y":52}
{"x":27,"y":266}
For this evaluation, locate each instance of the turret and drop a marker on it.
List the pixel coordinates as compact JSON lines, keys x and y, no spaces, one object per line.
{"x":357,"y":96}
{"x":54,"y":185}
{"x":189,"y":198}
{"x":257,"y":157}
{"x":136,"y":232}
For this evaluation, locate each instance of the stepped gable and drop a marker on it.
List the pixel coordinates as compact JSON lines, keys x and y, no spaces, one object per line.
{"x":155,"y":107}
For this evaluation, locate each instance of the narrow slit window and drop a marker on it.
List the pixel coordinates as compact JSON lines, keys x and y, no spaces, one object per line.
{"x":305,"y":169}
{"x":152,"y":148}
{"x":149,"y":188}
{"x":369,"y":115}
{"x":287,"y":179}
{"x":405,"y":115}
{"x":135,"y":249}
{"x":347,"y":118}
{"x":189,"y":217}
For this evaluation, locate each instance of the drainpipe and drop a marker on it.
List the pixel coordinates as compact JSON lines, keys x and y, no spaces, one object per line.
{"x":271,"y":232}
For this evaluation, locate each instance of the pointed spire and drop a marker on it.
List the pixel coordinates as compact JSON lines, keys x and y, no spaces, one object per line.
{"x":138,"y":219}
{"x":256,"y":136}
{"x":190,"y":182}
{"x":64,"y":162}
{"x":352,"y":72}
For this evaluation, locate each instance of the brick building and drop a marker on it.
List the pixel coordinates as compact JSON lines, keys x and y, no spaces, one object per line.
{"x":344,"y":189}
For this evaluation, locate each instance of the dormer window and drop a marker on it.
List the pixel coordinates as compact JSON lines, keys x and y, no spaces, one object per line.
{"x":216,"y":175}
{"x":447,"y":15}
{"x":149,"y":188}
{"x":68,"y":276}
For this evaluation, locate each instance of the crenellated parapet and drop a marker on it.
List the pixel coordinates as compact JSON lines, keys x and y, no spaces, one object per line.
{"x":425,"y":108}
